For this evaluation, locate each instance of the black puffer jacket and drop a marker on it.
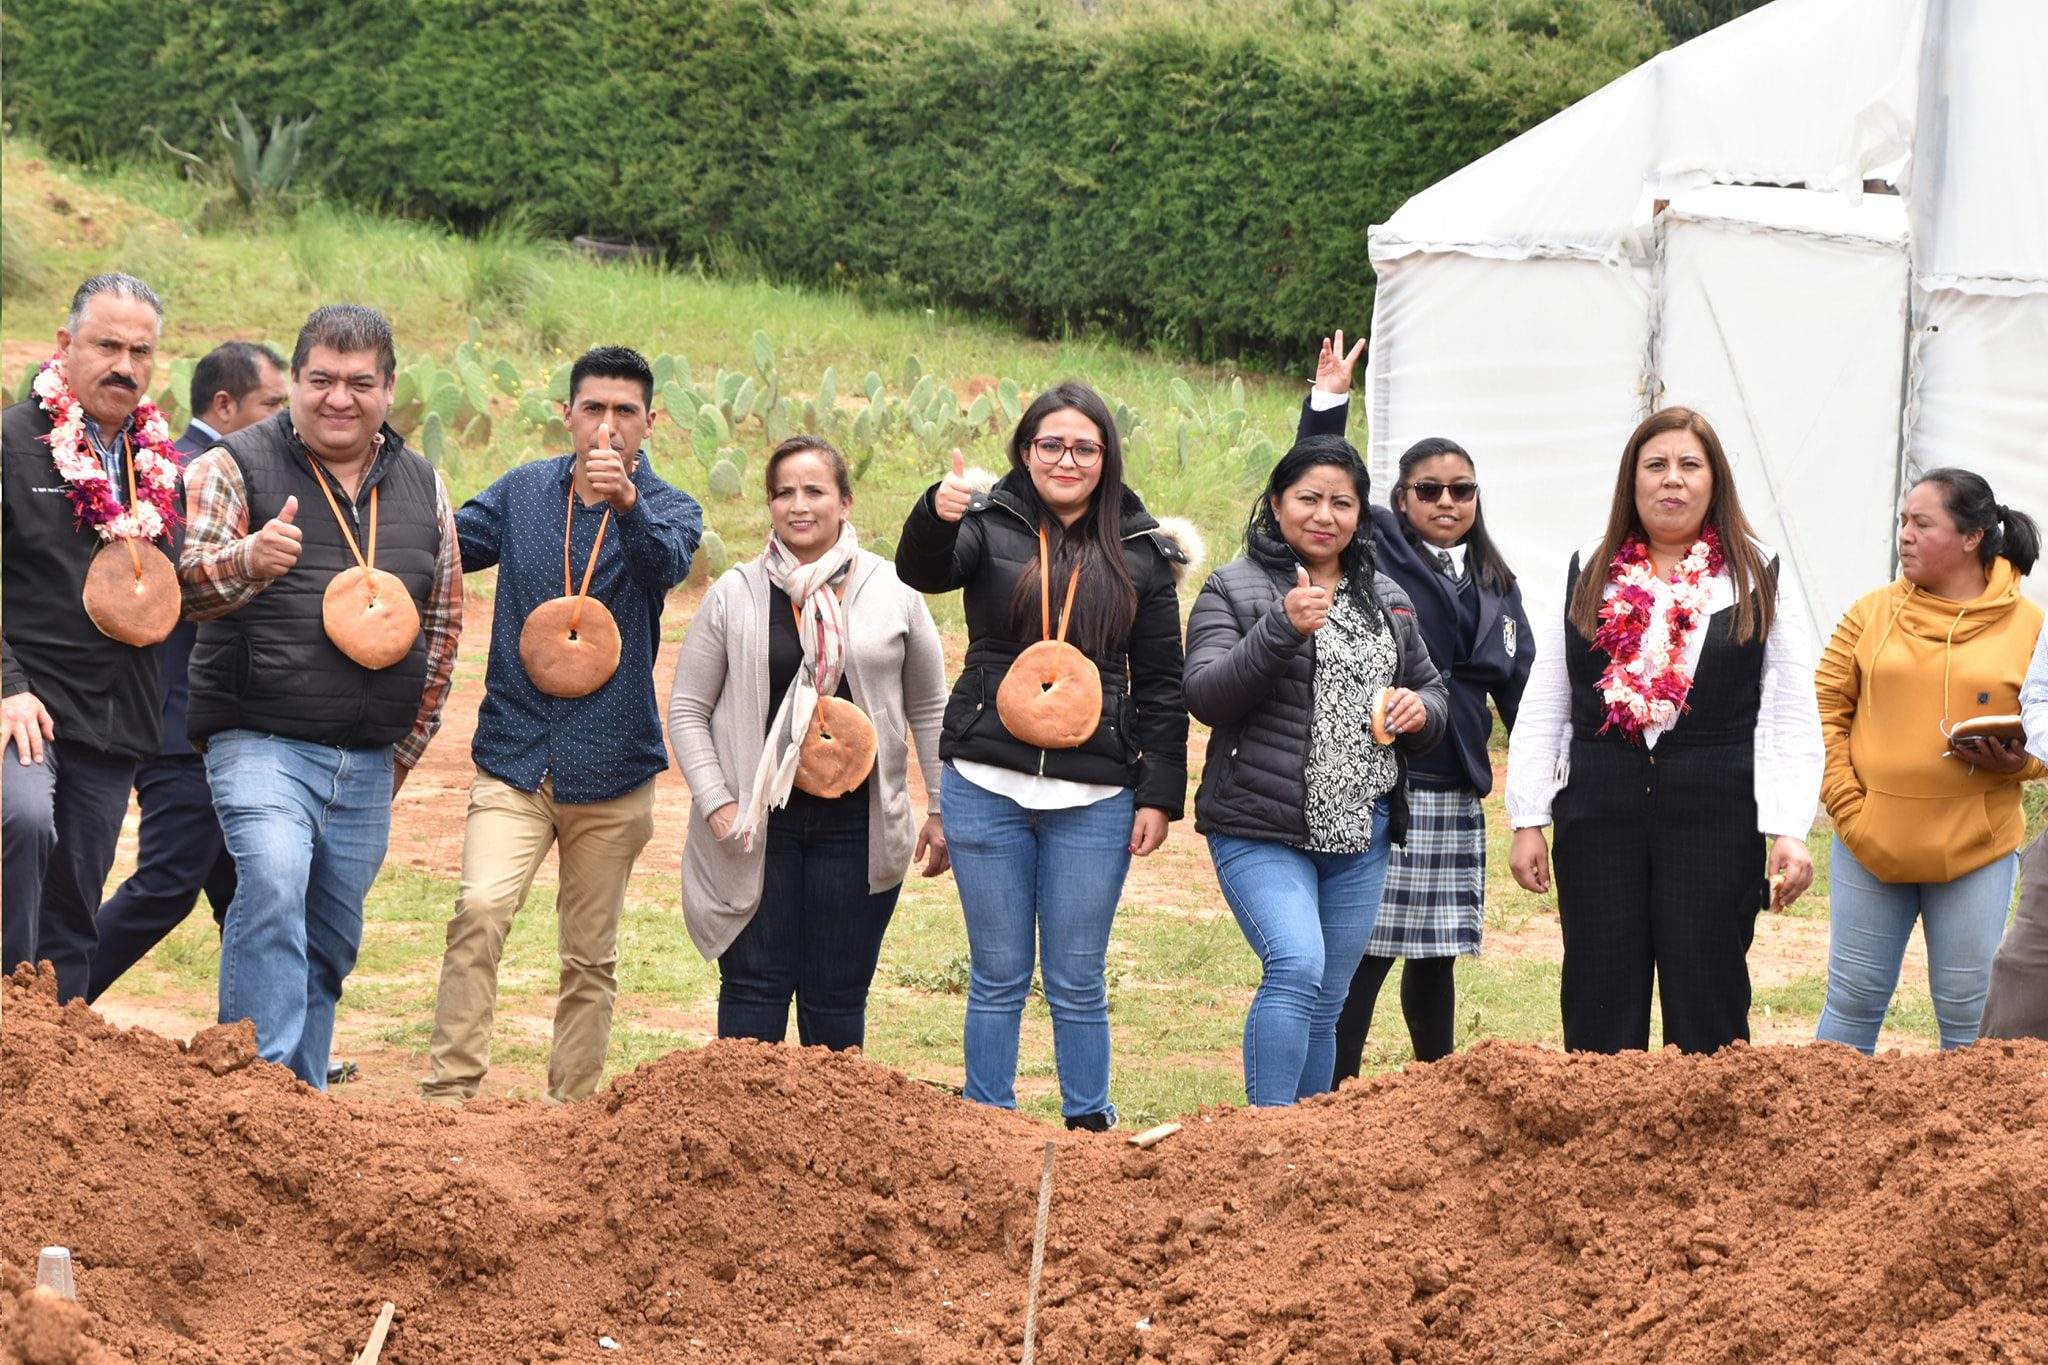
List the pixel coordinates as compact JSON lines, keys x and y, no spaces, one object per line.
{"x":1251,"y":676}
{"x":1142,"y":741}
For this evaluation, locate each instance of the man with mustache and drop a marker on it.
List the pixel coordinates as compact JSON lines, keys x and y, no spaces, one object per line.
{"x":83,"y":462}
{"x":178,"y":846}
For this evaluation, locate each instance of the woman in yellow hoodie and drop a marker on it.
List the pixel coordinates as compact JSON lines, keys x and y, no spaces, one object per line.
{"x":1926,"y":830}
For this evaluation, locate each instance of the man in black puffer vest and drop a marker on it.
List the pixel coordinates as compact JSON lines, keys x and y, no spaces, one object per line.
{"x":305,"y":747}
{"x":79,"y":708}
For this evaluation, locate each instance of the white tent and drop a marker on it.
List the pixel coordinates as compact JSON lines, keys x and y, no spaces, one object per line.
{"x":1825,"y":225}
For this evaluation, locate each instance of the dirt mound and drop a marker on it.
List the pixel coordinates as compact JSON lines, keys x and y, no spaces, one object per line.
{"x":748,"y":1203}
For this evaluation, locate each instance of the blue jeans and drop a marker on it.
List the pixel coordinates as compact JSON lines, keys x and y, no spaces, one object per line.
{"x":1869,"y":924}
{"x":1044,"y":884}
{"x":1308,"y":917}
{"x":307,"y":826}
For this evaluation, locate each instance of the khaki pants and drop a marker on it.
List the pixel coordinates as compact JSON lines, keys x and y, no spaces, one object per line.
{"x":2018,"y":1004}
{"x":508,"y":834}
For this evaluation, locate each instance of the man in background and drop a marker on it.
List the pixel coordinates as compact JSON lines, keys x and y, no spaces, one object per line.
{"x":178,"y":847}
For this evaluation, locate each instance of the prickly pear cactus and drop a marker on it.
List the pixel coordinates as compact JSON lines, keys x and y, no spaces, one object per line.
{"x":725,"y":479}
{"x":712,"y":554}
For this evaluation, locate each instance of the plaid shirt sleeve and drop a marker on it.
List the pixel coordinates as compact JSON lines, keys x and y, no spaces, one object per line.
{"x":213,"y":567}
{"x":442,"y":625}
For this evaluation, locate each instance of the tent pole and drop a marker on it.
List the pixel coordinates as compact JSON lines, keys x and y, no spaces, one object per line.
{"x":1929,"y":169}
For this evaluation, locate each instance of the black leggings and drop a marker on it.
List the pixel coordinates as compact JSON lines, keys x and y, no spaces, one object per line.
{"x":1428,"y":1003}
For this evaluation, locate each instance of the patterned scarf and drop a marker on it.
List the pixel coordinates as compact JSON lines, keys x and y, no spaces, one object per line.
{"x":821,"y":627}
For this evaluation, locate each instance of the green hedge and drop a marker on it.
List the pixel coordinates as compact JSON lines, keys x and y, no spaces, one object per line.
{"x":1196,"y":173}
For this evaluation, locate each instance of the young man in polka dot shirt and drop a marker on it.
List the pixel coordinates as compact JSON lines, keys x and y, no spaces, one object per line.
{"x":573,"y":771}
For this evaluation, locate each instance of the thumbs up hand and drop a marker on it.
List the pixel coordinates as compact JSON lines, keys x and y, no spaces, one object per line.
{"x":275,"y":546}
{"x":1308,"y":606}
{"x":954,"y":493}
{"x":606,"y":472}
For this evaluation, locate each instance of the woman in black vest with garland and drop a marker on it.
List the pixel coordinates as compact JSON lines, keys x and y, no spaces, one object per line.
{"x":1668,"y":729}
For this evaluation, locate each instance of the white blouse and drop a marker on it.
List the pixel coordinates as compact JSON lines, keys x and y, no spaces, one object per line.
{"x":2034,"y":700}
{"x":1789,"y":753}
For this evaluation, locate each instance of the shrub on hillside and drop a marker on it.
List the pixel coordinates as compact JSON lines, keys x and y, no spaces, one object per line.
{"x":1201,"y":174}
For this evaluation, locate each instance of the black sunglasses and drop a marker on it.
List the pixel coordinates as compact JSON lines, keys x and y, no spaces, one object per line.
{"x":1429,"y":490}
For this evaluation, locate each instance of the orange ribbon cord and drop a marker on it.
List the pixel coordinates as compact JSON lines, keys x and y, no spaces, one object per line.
{"x":1045,"y":590}
{"x":798,"y":612}
{"x":365,"y":563}
{"x":568,"y":579}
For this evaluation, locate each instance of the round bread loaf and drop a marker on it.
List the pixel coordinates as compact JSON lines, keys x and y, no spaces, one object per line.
{"x":370,"y":616}
{"x":135,"y":606}
{"x":1052,"y":696}
{"x":564,"y":662}
{"x":1382,"y":732}
{"x":839,"y":751}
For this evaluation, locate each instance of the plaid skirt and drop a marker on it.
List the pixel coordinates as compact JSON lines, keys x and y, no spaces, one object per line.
{"x":1435,"y":897}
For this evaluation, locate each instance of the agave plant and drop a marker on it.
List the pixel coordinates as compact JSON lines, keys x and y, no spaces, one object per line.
{"x":261,"y":169}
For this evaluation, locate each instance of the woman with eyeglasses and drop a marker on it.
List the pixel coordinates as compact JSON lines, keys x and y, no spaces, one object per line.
{"x":1041,"y":834}
{"x":1927,"y":822}
{"x":1431,"y":539}
{"x":1667,"y":731}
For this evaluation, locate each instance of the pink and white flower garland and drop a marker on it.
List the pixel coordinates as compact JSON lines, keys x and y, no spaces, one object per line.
{"x":156,"y":464}
{"x":1646,"y":683}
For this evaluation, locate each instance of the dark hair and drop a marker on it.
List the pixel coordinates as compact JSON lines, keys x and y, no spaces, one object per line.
{"x":348,"y":328}
{"x":2007,"y":534}
{"x":797,"y":445}
{"x":232,"y":368}
{"x":1356,"y":559}
{"x":1754,"y":582}
{"x":1107,"y":600}
{"x":612,"y":362}
{"x":1487,"y":565}
{"x":120,"y":286}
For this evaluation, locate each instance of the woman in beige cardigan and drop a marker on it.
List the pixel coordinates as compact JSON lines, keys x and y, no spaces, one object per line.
{"x":791,"y":892}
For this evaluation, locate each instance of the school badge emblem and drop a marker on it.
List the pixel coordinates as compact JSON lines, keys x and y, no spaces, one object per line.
{"x":1507,"y":635}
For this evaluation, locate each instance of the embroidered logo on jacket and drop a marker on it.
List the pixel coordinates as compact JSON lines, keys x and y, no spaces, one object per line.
{"x":1507,"y":635}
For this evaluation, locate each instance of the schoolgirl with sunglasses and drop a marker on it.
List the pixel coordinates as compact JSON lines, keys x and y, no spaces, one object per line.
{"x":1431,"y":539}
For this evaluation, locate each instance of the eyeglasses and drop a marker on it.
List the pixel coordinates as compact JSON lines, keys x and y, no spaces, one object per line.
{"x":1429,"y":490}
{"x":1050,"y":449}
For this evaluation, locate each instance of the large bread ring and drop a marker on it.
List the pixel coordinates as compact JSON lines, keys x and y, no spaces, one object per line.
{"x":370,"y":616}
{"x":1052,"y":696}
{"x":566,"y":664}
{"x":135,"y":608}
{"x":838,"y":752}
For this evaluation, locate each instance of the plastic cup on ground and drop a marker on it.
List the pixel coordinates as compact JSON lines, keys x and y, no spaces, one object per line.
{"x":53,"y":1272}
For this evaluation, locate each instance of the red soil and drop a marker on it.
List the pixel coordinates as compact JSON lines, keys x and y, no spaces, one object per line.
{"x":749,"y":1203}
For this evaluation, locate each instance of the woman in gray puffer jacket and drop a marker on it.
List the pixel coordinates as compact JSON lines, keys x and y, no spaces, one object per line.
{"x":1289,"y":646}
